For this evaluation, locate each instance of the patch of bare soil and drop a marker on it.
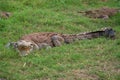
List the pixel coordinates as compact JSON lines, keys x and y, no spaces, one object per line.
{"x":92,"y":72}
{"x":109,"y":67}
{"x":103,"y":13}
{"x":84,"y":75}
{"x":79,"y":74}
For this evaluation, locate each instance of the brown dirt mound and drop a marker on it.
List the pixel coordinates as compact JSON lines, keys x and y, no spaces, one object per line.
{"x":103,"y":13}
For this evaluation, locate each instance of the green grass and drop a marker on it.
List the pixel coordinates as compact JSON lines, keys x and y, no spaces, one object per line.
{"x":82,"y":60}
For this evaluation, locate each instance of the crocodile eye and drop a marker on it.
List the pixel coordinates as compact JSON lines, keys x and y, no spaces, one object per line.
{"x":31,"y":45}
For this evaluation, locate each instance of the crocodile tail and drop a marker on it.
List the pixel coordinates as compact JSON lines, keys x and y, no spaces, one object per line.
{"x":109,"y":32}
{"x":106,"y":32}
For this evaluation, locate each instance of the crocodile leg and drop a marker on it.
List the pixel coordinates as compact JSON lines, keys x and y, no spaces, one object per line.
{"x":57,"y":40}
{"x":44,"y":46}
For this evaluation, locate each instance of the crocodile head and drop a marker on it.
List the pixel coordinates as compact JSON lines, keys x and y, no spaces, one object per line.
{"x":23,"y":47}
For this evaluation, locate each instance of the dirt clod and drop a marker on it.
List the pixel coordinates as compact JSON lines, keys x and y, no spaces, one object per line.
{"x":103,"y":13}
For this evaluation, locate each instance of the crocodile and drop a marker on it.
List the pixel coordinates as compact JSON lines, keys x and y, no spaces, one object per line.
{"x":35,"y":41}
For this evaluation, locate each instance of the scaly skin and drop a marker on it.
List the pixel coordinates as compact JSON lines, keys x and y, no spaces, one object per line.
{"x":33,"y":41}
